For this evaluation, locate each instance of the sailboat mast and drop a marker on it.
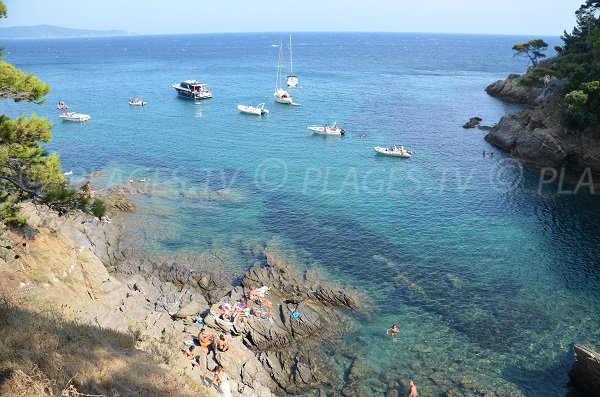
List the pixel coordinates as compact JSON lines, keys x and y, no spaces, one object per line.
{"x":291,"y":60}
{"x":278,"y":63}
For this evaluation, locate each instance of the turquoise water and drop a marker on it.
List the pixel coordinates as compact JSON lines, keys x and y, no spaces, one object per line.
{"x":486,"y":276}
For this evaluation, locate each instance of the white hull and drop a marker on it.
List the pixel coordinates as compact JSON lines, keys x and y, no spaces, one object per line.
{"x":292,"y":81}
{"x":319,"y":129}
{"x":257,"y":111}
{"x":71,"y":116}
{"x":281,"y":99}
{"x":139,"y":103}
{"x":394,"y":152}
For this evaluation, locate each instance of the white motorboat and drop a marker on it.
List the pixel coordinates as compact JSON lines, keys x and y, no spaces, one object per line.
{"x":281,"y":95}
{"x":249,"y":109}
{"x":394,"y":151}
{"x":292,"y":79}
{"x":192,"y":89}
{"x":72,"y":116}
{"x":136,"y":102}
{"x":327,"y":130}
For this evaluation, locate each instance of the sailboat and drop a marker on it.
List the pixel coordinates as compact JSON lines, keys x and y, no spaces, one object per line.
{"x":281,"y":95}
{"x":292,"y":79}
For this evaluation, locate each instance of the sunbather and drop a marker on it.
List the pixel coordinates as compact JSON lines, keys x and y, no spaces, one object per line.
{"x":205,"y":338}
{"x":222,"y":344}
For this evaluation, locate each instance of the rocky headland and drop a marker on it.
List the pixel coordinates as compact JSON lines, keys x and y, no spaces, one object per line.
{"x":535,"y":134}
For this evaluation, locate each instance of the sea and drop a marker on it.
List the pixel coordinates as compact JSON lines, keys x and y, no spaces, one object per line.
{"x":489,"y":267}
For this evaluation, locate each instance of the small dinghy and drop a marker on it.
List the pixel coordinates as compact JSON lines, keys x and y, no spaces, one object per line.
{"x":394,"y":151}
{"x":137,"y":102}
{"x":72,"y":116}
{"x":327,"y":130}
{"x":249,"y":109}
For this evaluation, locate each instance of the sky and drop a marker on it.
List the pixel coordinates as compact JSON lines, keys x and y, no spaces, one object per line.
{"x":519,"y":17}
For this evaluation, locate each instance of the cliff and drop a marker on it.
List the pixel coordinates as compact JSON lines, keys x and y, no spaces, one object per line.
{"x":536,"y":134}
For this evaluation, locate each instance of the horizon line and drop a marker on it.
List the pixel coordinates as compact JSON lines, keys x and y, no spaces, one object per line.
{"x":129,"y":34}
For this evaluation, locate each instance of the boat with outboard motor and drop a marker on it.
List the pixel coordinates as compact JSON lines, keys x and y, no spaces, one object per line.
{"x":327,"y":129}
{"x":249,"y":109}
{"x":394,"y":151}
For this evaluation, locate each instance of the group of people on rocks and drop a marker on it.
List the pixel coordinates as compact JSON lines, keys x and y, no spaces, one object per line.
{"x":241,"y":311}
{"x":230,"y":314}
{"x":215,"y":345}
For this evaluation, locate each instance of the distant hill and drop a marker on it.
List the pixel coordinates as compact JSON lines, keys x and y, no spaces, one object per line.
{"x":53,"y":32}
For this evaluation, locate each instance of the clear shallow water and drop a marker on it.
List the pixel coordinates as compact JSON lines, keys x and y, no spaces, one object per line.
{"x":485,"y":276}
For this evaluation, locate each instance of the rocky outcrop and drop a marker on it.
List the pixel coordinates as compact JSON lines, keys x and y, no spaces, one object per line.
{"x":585,"y":374}
{"x":472,"y":123}
{"x":511,"y":91}
{"x":535,"y":135}
{"x":305,"y":314}
{"x":529,"y":136}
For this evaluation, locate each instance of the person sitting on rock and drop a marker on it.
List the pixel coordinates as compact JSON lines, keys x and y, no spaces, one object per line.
{"x":221,"y":344}
{"x":191,"y":355}
{"x":205,"y":338}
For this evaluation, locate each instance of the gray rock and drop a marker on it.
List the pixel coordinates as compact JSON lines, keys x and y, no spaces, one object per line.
{"x":472,"y":123}
{"x":192,"y":308}
{"x":510,"y":90}
{"x":585,"y":374}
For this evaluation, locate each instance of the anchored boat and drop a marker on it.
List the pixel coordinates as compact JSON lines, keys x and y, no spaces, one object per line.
{"x":327,"y":130}
{"x":249,"y":109}
{"x":292,"y":79}
{"x":192,"y":89}
{"x":137,"y":102}
{"x":281,"y":95}
{"x":72,"y":116}
{"x":394,"y":151}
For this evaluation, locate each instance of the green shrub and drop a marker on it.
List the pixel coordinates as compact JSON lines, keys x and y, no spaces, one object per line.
{"x":99,"y":208}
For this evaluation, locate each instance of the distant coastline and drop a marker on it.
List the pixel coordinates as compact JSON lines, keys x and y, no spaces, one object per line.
{"x":55,"y":32}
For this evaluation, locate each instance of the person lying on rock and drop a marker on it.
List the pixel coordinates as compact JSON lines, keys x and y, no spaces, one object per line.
{"x":205,"y":338}
{"x":258,"y":293}
{"x":240,"y":306}
{"x":221,"y":344}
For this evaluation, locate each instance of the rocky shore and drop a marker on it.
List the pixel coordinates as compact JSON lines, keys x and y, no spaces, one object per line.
{"x":535,"y":134}
{"x":81,"y":267}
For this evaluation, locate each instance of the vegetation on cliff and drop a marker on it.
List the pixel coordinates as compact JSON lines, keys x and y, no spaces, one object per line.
{"x":27,"y":171}
{"x":577,"y":65}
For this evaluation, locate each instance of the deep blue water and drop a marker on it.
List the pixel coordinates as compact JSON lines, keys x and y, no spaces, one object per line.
{"x":487,"y":276}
